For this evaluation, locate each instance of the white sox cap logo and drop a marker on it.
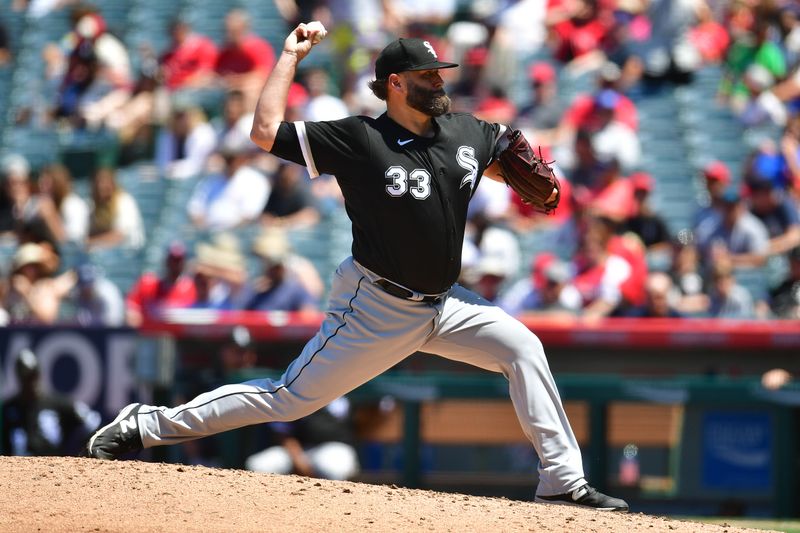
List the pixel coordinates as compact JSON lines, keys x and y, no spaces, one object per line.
{"x":429,"y":46}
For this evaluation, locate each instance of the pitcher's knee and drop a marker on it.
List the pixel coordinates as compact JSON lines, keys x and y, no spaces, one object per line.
{"x":531,"y":350}
{"x":297,"y":408}
{"x":521,"y":345}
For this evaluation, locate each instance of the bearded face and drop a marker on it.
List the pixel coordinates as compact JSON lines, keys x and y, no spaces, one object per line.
{"x":433,"y":102}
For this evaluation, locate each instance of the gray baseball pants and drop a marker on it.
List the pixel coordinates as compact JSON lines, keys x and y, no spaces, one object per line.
{"x":366,"y":331}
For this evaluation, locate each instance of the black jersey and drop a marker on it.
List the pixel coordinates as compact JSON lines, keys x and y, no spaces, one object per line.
{"x":406,"y":195}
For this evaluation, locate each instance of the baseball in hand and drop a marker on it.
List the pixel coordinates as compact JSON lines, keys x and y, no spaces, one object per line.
{"x":319,"y":28}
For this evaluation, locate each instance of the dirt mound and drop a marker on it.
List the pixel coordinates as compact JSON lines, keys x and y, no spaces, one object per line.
{"x":71,"y":494}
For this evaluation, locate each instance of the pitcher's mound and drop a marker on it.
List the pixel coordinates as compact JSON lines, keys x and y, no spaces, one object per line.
{"x":70,"y":494}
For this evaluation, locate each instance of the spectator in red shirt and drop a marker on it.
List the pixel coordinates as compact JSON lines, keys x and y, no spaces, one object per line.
{"x":599,"y":273}
{"x":611,"y":269}
{"x":150,"y":293}
{"x":246,"y":59}
{"x":190,"y":61}
{"x":581,"y":35}
{"x":583,"y":111}
{"x":709,"y":37}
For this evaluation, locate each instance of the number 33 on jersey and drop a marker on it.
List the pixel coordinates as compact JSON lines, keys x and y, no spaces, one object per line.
{"x":398,"y":176}
{"x":397,"y":185}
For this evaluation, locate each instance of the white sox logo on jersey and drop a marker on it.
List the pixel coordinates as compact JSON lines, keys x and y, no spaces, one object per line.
{"x":465,"y":157}
{"x":429,"y":46}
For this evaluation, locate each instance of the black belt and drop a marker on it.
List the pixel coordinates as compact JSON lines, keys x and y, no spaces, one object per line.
{"x":401,"y":292}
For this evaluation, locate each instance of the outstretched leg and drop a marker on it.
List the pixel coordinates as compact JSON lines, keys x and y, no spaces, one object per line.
{"x":365,"y":332}
{"x":474,"y":331}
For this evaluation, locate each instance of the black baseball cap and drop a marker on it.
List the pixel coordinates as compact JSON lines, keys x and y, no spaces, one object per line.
{"x":407,"y":54}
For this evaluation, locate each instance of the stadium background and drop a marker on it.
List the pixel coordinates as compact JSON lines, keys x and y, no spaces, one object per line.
{"x":661,"y":452}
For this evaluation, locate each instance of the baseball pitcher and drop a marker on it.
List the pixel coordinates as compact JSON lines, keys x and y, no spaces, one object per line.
{"x":407,"y":178}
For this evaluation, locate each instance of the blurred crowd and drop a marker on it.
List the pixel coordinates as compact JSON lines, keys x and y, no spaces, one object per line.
{"x":187,"y":110}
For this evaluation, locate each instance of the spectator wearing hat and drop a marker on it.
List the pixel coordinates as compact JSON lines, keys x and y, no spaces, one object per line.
{"x":784,"y":299}
{"x":736,"y":233}
{"x":582,"y":111}
{"x":489,"y":237}
{"x":496,"y":107}
{"x":299,"y":266}
{"x":277,"y":289}
{"x":95,"y":300}
{"x":543,"y":114}
{"x":644,"y":221}
{"x":717,"y":178}
{"x":36,"y":422}
{"x":184,"y":146}
{"x":778,"y":213}
{"x":114,"y":219}
{"x":234,"y":197}
{"x":491,"y":273}
{"x":548,"y":291}
{"x":237,"y":353}
{"x":606,"y":143}
{"x":220,"y":273}
{"x":470,"y":87}
{"x":98,"y":76}
{"x":767,"y":162}
{"x":34,"y":296}
{"x":89,"y":27}
{"x":611,"y":136}
{"x":151,"y":293}
{"x":762,"y":107}
{"x":291,"y":203}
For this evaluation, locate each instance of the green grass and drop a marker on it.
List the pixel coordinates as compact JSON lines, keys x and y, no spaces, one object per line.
{"x":787,"y":526}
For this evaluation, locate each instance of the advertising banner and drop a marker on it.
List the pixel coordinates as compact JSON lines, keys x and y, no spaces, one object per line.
{"x":93,"y":365}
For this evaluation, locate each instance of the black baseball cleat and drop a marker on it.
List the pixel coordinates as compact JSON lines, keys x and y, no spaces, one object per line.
{"x":587,"y":496}
{"x":117,"y":438}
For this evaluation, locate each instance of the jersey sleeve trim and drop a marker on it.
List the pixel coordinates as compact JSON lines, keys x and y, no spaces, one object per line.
{"x":501,"y":130}
{"x":305,"y":147}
